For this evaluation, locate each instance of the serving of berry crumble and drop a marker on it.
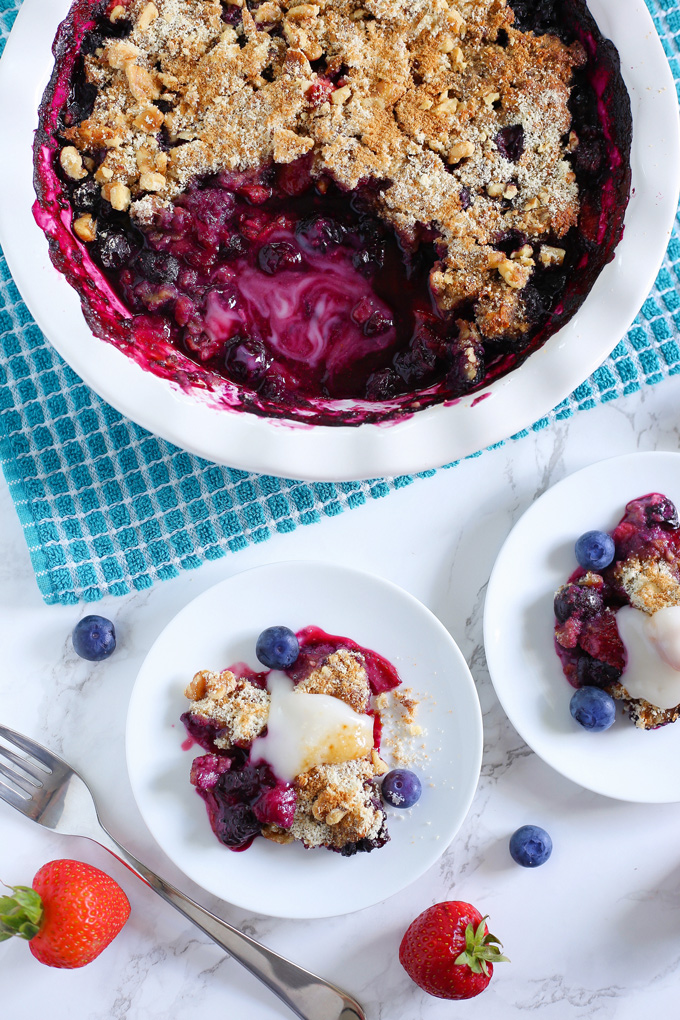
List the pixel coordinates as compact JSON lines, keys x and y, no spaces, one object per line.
{"x":617,"y":619}
{"x":293,"y":752}
{"x":338,"y":211}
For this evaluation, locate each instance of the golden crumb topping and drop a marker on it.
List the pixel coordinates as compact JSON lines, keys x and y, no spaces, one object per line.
{"x":650,"y":584}
{"x":337,"y":805}
{"x":343,"y":675}
{"x":458,"y":119}
{"x":239,"y":706}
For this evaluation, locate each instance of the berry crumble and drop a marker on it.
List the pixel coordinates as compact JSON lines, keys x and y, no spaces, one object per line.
{"x":322,"y":791}
{"x":618,"y":628}
{"x":299,"y":205}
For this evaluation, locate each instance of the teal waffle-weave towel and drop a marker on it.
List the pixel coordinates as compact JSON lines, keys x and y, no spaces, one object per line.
{"x":108,"y":508}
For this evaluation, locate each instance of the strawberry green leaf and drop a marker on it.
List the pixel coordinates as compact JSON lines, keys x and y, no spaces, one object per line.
{"x":480,"y":950}
{"x":20,"y":914}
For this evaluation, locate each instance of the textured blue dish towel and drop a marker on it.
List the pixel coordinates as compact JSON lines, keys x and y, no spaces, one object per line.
{"x":108,"y":508}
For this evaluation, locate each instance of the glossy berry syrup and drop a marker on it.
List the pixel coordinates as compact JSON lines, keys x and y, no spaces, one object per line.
{"x":281,"y":295}
{"x":241,"y":797}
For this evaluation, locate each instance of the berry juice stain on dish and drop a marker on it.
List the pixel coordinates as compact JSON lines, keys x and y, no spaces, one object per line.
{"x":331,"y":216}
{"x":617,"y":619}
{"x":292,"y":753}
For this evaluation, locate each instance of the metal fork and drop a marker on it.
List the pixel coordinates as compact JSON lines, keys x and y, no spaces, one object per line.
{"x":47,"y":790}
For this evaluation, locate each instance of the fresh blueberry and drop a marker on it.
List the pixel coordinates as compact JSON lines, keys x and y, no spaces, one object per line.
{"x":530,"y":846}
{"x":593,"y":708}
{"x":277,"y":647}
{"x":401,"y":788}
{"x":94,"y":638}
{"x":594,"y":550}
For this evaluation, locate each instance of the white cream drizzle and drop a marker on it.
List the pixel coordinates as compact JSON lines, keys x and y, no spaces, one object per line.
{"x":304,"y":730}
{"x":652,"y":646}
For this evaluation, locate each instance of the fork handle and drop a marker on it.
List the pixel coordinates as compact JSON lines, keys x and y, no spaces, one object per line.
{"x":309,"y":996}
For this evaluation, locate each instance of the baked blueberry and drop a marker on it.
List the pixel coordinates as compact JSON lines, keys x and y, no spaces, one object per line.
{"x":592,"y":672}
{"x":576,"y":599}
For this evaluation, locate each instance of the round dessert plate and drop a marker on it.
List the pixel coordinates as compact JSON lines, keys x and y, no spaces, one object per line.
{"x":220,"y":627}
{"x":538,"y":556}
{"x":428,"y":438}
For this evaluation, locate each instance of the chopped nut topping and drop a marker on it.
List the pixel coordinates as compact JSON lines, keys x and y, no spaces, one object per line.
{"x":516,"y":276}
{"x":148,"y":15}
{"x":152,"y":181}
{"x":550,"y":256}
{"x":149,"y":120}
{"x":72,"y":163}
{"x":103,"y":174}
{"x":119,"y":196}
{"x":267,"y":13}
{"x":460,"y":150}
{"x":447,"y":106}
{"x":119,"y":54}
{"x":85,"y":227}
{"x":341,"y":95}
{"x":142,"y":86}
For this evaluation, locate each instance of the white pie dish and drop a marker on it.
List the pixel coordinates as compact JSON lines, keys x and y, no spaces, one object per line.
{"x":427,"y":439}
{"x":221,"y":627}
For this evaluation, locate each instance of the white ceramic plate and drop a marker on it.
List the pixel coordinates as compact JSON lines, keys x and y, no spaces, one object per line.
{"x":538,"y":556}
{"x":431,"y":437}
{"x":220,"y":627}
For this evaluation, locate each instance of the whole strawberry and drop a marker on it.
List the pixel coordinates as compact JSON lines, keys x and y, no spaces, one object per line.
{"x":448,"y":951}
{"x":70,"y":915}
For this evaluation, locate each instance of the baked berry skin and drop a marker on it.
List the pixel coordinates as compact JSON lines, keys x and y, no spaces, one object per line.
{"x":530,"y":846}
{"x":401,"y":788}
{"x":660,"y":510}
{"x":594,"y":550}
{"x":277,"y":648}
{"x":576,"y":598}
{"x":593,"y":709}
{"x":94,"y":638}
{"x":594,"y":673}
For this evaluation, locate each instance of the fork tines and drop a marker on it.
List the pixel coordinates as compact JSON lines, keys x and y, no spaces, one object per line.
{"x":29,"y":772}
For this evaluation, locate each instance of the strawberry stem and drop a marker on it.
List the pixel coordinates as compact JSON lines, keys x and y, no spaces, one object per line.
{"x":480,"y":949}
{"x":20,"y":914}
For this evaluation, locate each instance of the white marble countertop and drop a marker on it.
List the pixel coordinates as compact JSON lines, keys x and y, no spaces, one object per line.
{"x":593,"y":933}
